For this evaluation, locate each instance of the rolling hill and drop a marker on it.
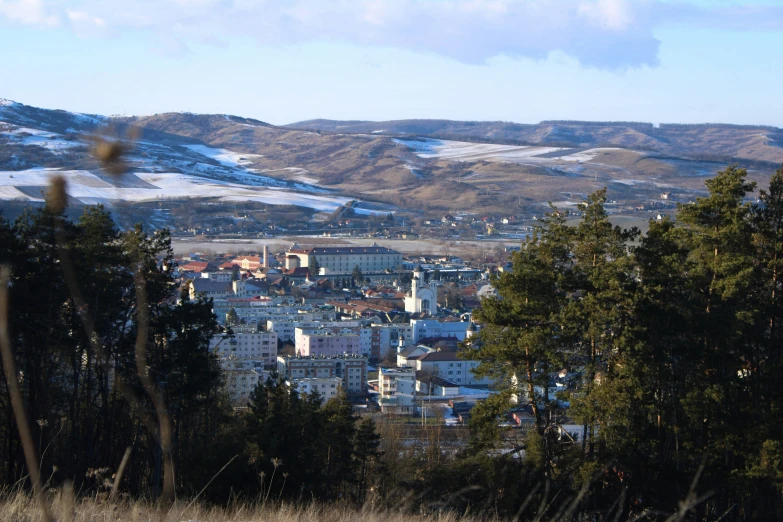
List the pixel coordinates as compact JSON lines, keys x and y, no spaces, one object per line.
{"x":412,"y":167}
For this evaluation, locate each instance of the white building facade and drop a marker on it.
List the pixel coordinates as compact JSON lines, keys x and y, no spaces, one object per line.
{"x":423,"y":298}
{"x":343,"y":260}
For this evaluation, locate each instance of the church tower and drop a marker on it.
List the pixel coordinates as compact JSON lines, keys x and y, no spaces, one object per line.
{"x":422,"y":298}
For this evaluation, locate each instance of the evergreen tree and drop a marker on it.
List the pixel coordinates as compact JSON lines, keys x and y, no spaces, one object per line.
{"x":357,"y":275}
{"x":314,"y":268}
{"x":366,"y":454}
{"x":232,"y":319}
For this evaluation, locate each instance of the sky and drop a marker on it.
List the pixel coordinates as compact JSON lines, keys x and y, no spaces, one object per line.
{"x":283,"y":61}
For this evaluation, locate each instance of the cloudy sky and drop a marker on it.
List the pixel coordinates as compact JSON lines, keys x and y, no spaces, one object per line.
{"x":283,"y":61}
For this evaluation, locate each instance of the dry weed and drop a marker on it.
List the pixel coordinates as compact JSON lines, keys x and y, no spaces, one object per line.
{"x":20,"y":507}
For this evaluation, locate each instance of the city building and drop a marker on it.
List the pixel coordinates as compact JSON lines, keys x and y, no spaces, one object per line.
{"x":246,"y":343}
{"x":447,"y":365}
{"x":327,"y":387}
{"x":343,"y":260}
{"x":327,"y":341}
{"x":242,"y":377}
{"x":397,"y":387}
{"x":423,"y":298}
{"x":352,"y":369}
{"x":428,"y":328}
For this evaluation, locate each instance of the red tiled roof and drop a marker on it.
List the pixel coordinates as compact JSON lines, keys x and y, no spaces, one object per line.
{"x":194,"y":266}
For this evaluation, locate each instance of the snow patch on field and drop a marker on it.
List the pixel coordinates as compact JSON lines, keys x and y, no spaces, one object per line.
{"x":89,"y":189}
{"x":225,"y":157}
{"x":48,"y":140}
{"x":465,"y":151}
{"x":586,"y":155}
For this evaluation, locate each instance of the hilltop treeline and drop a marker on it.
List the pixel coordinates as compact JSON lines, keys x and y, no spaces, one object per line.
{"x":672,"y":347}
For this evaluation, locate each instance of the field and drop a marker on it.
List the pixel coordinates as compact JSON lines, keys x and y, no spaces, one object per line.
{"x":407,"y":246}
{"x":90,"y":189}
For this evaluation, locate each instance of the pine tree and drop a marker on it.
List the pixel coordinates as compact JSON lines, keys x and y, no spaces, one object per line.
{"x":357,"y":275}
{"x":601,"y":309}
{"x":366,"y":454}
{"x":314,"y":269}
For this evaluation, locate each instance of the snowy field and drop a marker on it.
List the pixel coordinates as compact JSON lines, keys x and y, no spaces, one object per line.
{"x":90,"y":189}
{"x":586,"y":155}
{"x":466,"y":151}
{"x":225,"y":157}
{"x":26,"y":136}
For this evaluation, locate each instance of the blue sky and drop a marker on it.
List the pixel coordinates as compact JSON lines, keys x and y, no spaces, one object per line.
{"x":282,"y":61}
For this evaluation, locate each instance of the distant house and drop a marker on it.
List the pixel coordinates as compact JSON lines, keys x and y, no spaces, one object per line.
{"x":248,"y":262}
{"x":211,"y":289}
{"x":194,"y":266}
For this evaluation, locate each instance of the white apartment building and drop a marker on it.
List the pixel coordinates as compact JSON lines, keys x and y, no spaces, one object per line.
{"x":286,"y":328}
{"x":386,"y":337}
{"x":352,"y":369}
{"x":253,"y":314}
{"x":241,"y":379}
{"x":343,"y":260}
{"x":328,"y":387}
{"x":423,"y":328}
{"x":327,"y":341}
{"x":397,"y":387}
{"x":246,"y":344}
{"x":448,"y":366}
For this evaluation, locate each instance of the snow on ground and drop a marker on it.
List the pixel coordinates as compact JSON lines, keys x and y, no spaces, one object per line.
{"x":466,"y":151}
{"x":89,"y":189}
{"x":586,"y":155}
{"x":414,"y":170}
{"x":225,"y":157}
{"x":7,"y":103}
{"x":39,"y":138}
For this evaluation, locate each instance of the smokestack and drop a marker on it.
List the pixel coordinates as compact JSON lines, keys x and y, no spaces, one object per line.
{"x":266,"y":256}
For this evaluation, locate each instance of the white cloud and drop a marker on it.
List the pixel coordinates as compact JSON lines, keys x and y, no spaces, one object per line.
{"x":612,"y":14}
{"x":28,"y":12}
{"x":611,"y":34}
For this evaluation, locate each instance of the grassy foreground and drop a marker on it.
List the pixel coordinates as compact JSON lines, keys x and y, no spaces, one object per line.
{"x":21,"y":507}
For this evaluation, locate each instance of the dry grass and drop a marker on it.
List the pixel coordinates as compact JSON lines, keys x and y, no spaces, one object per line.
{"x":20,"y":507}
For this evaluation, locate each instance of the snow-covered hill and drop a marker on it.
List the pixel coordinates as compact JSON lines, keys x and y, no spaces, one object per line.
{"x":37,"y":143}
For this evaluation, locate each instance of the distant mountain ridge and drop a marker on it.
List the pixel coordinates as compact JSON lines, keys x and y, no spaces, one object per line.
{"x":721,"y":142}
{"x":409,"y":166}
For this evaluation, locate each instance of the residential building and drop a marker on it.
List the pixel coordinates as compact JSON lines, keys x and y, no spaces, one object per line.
{"x":352,"y":369}
{"x":447,"y":365}
{"x":327,"y":341}
{"x":327,"y":387}
{"x":397,"y":387}
{"x":424,"y":328}
{"x":247,"y":344}
{"x":211,"y":289}
{"x":286,"y":328}
{"x":386,"y":337}
{"x":242,"y":377}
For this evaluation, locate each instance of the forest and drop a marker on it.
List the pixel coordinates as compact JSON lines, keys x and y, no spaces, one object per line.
{"x":673,"y":340}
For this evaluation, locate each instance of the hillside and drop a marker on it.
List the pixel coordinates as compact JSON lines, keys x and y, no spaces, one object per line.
{"x":411,"y":167}
{"x":708,"y":141}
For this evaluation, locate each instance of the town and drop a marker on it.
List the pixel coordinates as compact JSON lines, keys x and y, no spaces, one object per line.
{"x":383,"y":328}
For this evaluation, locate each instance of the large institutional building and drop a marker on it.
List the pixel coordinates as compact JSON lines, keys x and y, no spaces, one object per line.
{"x":343,"y":260}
